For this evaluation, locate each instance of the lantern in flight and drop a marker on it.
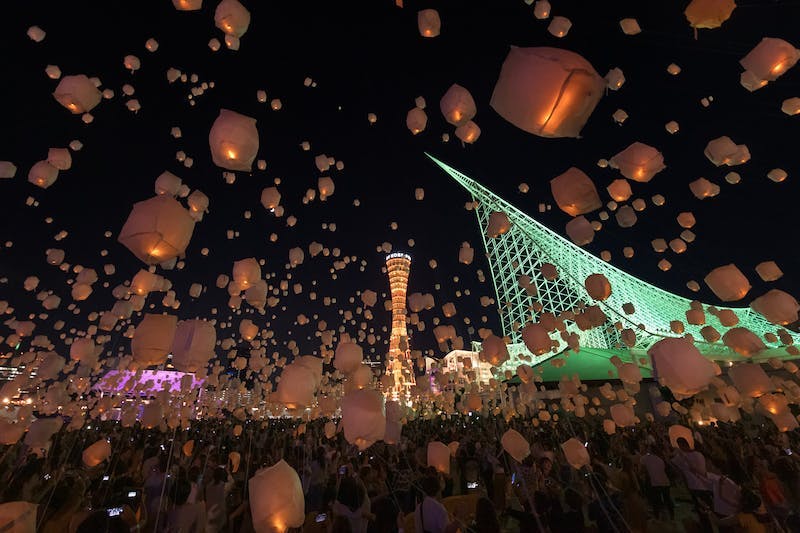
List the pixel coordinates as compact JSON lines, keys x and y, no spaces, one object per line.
{"x":157,"y":230}
{"x":547,"y":91}
{"x":234,"y":141}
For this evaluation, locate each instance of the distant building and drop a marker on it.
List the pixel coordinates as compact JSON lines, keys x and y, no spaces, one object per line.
{"x":398,"y":360}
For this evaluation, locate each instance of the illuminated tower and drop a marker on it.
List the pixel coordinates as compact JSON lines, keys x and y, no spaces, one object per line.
{"x":398,"y":362}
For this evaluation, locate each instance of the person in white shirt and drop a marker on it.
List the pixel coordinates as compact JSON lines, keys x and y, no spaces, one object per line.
{"x":430,"y":516}
{"x":658,"y":484}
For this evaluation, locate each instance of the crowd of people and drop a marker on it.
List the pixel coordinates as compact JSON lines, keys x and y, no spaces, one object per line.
{"x":733,"y":477}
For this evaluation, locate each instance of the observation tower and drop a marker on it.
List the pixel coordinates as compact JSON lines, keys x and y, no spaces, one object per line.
{"x":398,"y":360}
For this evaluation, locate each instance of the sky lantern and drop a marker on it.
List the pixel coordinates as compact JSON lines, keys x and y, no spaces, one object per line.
{"x":723,"y":151}
{"x":193,"y":345}
{"x":416,"y":120}
{"x":348,"y":357}
{"x":541,"y":9}
{"x":296,"y":387}
{"x":42,"y":430}
{"x":619,"y":190}
{"x":233,"y":140}
{"x":43,"y":174}
{"x":769,"y":60}
{"x":580,"y":230}
{"x":598,"y":286}
{"x":777,"y":306}
{"x":630,"y":26}
{"x":270,"y":198}
{"x":515,"y":445}
{"x":157,"y":230}
{"x":457,"y":105}
{"x":468,"y":132}
{"x":246,"y":272}
{"x":429,"y":23}
{"x":680,"y":366}
{"x":575,"y":193}
{"x":769,"y":271}
{"x":276,"y":499}
{"x":232,"y":17}
{"x":708,"y":13}
{"x":622,"y":414}
{"x":168,"y":183}
{"x":728,"y":283}
{"x":751,"y":380}
{"x":247,"y":329}
{"x":363,"y":417}
{"x":576,"y":453}
{"x":77,"y":93}
{"x":743,"y":341}
{"x":96,"y":453}
{"x":494,"y":350}
{"x":198,"y":205}
{"x":559,"y":26}
{"x":638,"y":162}
{"x":498,"y":224}
{"x":153,"y":338}
{"x":547,"y":91}
{"x":439,"y":456}
{"x":187,"y":5}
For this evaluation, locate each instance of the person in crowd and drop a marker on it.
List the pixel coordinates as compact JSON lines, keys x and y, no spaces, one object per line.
{"x":430,"y":516}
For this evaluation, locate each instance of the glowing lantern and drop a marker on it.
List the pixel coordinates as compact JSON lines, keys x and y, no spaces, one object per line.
{"x":536,"y":339}
{"x":769,"y":271}
{"x":168,"y":183}
{"x":276,"y":499}
{"x":728,"y":283}
{"x":598,"y":286}
{"x":677,"y":431}
{"x":515,"y":445}
{"x":157,"y":230}
{"x":559,"y":26}
{"x":743,"y":341}
{"x":751,"y":380}
{"x":466,"y":254}
{"x":416,"y":120}
{"x":547,"y":91}
{"x":457,"y":105}
{"x":193,"y":345}
{"x":42,"y":430}
{"x":702,"y":188}
{"x":82,"y":349}
{"x":709,"y":13}
{"x":270,"y":198}
{"x":770,"y":59}
{"x":791,"y":106}
{"x":429,"y":23}
{"x":499,"y":224}
{"x":777,"y":307}
{"x":43,"y":174}
{"x":10,"y":433}
{"x":468,"y":132}
{"x":297,"y":386}
{"x":77,"y":93}
{"x":494,"y":350}
{"x":619,"y":190}
{"x":232,"y":17}
{"x":153,"y":338}
{"x":580,"y":230}
{"x":247,"y":329}
{"x":638,"y":162}
{"x":198,"y":205}
{"x":630,"y":26}
{"x":680,"y":366}
{"x":233,"y":140}
{"x":363,"y":417}
{"x":723,"y":151}
{"x":187,"y":5}
{"x":623,"y":415}
{"x":348,"y":357}
{"x":576,"y":453}
{"x":575,"y":193}
{"x":96,"y":453}
{"x":439,"y":456}
{"x":541,"y":9}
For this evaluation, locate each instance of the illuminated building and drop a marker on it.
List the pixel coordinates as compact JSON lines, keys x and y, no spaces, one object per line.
{"x":398,"y":361}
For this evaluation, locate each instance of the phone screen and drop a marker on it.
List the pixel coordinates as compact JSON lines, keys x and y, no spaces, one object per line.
{"x":114,"y":511}
{"x":321,"y":517}
{"x":472,"y":484}
{"x":132,"y":494}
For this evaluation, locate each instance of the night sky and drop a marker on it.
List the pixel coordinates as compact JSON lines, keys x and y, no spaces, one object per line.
{"x":368,"y":57}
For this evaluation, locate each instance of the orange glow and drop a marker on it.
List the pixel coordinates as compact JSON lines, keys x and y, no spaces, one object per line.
{"x":72,"y":107}
{"x":231,"y":154}
{"x":777,"y":69}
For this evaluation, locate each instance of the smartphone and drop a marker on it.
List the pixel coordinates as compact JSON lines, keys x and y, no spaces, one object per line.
{"x":321,"y":517}
{"x":132,"y":494}
{"x":788,"y":451}
{"x":105,"y":478}
{"x":514,"y":478}
{"x":472,"y":484}
{"x":114,"y":511}
{"x":342,"y":470}
{"x":46,"y":477}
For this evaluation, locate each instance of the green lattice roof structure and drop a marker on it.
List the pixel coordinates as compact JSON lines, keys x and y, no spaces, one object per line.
{"x":529,"y":244}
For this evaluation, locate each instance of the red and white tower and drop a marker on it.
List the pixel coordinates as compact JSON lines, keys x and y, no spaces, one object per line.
{"x":398,"y":361}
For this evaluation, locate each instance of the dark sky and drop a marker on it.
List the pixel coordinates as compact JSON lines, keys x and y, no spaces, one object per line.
{"x":369,"y":57}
